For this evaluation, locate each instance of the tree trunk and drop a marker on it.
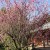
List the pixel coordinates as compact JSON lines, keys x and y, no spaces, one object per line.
{"x":47,"y":41}
{"x":43,"y":42}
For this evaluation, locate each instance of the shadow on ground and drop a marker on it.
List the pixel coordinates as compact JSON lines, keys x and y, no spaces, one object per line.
{"x":46,"y":48}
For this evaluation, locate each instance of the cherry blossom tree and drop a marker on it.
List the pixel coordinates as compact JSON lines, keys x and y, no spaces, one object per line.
{"x":15,"y":20}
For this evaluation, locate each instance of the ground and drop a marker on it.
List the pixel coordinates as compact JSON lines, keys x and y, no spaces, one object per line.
{"x":40,"y":47}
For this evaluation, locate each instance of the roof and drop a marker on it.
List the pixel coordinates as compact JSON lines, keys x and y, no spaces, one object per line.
{"x":46,"y":26}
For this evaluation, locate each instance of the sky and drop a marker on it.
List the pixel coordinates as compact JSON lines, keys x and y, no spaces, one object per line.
{"x":3,"y":3}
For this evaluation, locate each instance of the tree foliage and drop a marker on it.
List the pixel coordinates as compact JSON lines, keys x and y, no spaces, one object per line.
{"x":15,"y":20}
